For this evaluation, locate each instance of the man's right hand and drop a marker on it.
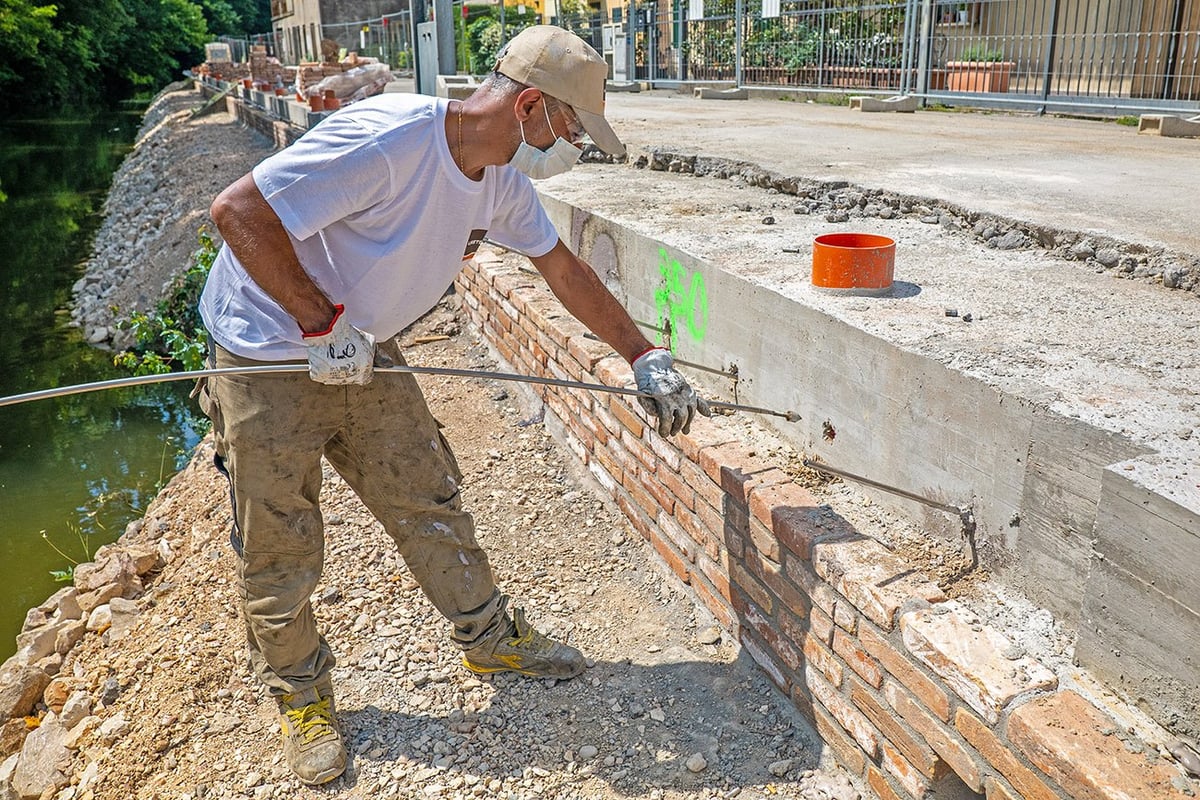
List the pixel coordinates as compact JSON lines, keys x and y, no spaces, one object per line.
{"x":671,"y":398}
{"x":341,"y":354}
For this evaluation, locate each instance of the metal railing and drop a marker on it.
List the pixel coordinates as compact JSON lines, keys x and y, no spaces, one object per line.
{"x":1110,"y":55}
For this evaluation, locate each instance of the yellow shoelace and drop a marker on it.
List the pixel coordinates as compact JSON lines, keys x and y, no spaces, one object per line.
{"x":311,"y":721}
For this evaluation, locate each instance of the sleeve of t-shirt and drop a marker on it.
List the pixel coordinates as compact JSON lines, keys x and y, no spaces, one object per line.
{"x":519,"y":222}
{"x":333,"y":171}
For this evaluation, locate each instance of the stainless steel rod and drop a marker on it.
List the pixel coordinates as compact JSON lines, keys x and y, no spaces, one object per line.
{"x":273,"y":369}
{"x":841,"y":473}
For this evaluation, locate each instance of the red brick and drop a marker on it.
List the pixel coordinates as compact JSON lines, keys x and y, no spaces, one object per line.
{"x":704,"y":433}
{"x":821,"y":625}
{"x":1023,"y":779}
{"x":823,"y":660}
{"x":738,"y":482}
{"x":905,"y":773}
{"x":845,"y":749}
{"x":637,"y":518}
{"x":678,"y":536}
{"x":643,"y":498}
{"x":733,"y":457}
{"x":844,"y":616}
{"x":968,"y":657}
{"x":671,"y":555}
{"x":670,"y":479}
{"x":816,"y":589}
{"x":788,"y":510}
{"x":764,"y":658}
{"x":504,"y":284}
{"x":997,"y":790}
{"x":916,"y":752}
{"x":958,"y":756}
{"x":714,"y":602}
{"x":763,"y":540}
{"x":626,"y":416}
{"x":640,"y":450}
{"x":629,"y":464}
{"x":717,"y":574}
{"x":871,"y":577}
{"x":771,"y":574}
{"x":704,"y":487}
{"x":665,"y":449}
{"x":879,"y":784}
{"x":866,"y":667}
{"x":764,"y":625}
{"x":651,"y":483}
{"x":588,"y":351}
{"x":612,"y":465}
{"x":594,"y":427}
{"x":563,"y":328}
{"x":898,"y":665}
{"x":1064,"y":736}
{"x":849,"y":717}
{"x":614,"y":371}
{"x":602,"y":476}
{"x":740,"y":577}
{"x":712,"y":522}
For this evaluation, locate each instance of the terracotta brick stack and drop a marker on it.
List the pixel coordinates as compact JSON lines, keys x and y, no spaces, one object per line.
{"x":908,"y":689}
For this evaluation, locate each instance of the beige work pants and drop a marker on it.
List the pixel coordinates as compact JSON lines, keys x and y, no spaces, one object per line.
{"x":271,"y":432}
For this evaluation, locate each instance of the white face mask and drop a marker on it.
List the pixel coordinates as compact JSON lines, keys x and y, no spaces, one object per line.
{"x":539,"y":164}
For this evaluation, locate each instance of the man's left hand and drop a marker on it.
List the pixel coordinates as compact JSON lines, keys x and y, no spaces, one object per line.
{"x":671,"y":399}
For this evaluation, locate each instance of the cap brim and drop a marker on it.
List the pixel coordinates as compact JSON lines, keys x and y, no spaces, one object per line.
{"x":600,"y":131}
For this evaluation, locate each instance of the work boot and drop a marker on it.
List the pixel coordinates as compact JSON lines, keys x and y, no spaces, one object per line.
{"x":312,"y":743}
{"x":524,"y":650}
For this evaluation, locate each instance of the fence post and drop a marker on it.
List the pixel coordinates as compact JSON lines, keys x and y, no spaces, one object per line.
{"x":924,"y":57}
{"x":906,"y":52}
{"x":739,"y":11}
{"x":1048,"y":64}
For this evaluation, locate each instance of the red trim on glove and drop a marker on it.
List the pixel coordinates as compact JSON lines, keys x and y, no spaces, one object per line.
{"x":647,"y":350}
{"x":337,"y":312}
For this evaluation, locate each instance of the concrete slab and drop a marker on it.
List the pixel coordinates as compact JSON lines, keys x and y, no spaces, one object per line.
{"x":1168,"y":125}
{"x":903,"y":103}
{"x":623,"y":86}
{"x":1069,"y":173}
{"x":709,"y":93}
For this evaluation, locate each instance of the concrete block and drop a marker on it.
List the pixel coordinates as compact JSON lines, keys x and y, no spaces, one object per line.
{"x":903,"y":103}
{"x":1168,"y":125}
{"x":709,"y":93}
{"x":456,"y":87}
{"x":627,"y":86}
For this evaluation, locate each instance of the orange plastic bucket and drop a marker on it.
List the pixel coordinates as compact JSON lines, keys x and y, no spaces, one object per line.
{"x":856,"y":263}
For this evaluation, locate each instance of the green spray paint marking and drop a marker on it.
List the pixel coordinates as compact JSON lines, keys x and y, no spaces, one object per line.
{"x":682,"y":300}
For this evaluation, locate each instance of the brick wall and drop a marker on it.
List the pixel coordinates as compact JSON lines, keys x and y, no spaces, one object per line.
{"x":908,"y":689}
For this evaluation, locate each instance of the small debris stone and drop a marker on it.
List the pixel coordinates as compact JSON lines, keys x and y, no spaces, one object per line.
{"x":697,"y":763}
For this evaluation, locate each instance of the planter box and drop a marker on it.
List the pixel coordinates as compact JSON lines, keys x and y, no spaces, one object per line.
{"x":978,"y":76}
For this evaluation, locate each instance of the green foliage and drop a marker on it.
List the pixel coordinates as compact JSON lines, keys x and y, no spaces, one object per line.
{"x":172,"y":336}
{"x":484,"y":36}
{"x":87,"y":50}
{"x":67,"y":575}
{"x":979,"y":52}
{"x":1128,"y":119}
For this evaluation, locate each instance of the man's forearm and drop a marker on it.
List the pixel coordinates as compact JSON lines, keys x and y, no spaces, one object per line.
{"x":589,"y":301}
{"x":254,"y":233}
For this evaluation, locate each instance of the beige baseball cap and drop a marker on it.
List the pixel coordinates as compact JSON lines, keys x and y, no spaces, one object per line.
{"x":567,"y":68}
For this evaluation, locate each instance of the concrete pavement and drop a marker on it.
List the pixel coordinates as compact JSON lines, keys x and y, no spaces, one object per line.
{"x":1074,"y":174}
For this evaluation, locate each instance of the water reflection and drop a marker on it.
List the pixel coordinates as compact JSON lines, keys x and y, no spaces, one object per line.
{"x":78,"y":468}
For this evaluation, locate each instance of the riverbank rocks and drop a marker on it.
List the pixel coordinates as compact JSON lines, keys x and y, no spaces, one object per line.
{"x":44,"y":762}
{"x":157,"y":204}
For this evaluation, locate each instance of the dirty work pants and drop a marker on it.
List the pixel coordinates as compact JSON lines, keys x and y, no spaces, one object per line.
{"x":271,"y":432}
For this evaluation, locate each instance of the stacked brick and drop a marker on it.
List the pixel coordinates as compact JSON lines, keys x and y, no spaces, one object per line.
{"x":907,"y":688}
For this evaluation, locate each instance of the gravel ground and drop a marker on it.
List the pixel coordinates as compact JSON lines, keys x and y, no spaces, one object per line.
{"x":669,"y":707}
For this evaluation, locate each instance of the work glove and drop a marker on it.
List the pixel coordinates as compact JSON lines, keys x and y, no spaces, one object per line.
{"x":341,"y":354}
{"x":671,"y":399}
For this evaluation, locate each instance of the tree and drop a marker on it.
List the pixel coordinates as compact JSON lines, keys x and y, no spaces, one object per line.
{"x":26,"y":33}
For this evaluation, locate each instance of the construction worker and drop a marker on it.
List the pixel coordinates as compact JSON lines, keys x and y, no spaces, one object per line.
{"x":331,"y":248}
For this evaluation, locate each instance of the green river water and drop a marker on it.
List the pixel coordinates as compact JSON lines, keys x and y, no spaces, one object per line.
{"x":76,"y":468}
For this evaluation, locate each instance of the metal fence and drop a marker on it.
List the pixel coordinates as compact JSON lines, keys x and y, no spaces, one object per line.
{"x":1111,"y":55}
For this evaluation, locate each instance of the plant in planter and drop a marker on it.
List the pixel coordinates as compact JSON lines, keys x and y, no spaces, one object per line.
{"x":979,"y":69}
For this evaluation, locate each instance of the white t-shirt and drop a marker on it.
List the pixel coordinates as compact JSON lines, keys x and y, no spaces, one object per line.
{"x":380,"y":217}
